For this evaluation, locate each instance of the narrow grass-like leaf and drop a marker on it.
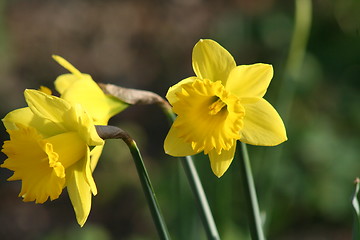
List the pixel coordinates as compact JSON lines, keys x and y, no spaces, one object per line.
{"x":356,"y":207}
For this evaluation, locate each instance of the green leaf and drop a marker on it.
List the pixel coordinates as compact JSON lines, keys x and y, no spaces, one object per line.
{"x":356,"y":206}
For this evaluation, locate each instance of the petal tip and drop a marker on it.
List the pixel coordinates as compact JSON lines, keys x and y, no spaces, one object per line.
{"x":81,"y":223}
{"x":66,"y":64}
{"x":218,"y":170}
{"x":219,"y":174}
{"x":31,"y":92}
{"x":55,"y":57}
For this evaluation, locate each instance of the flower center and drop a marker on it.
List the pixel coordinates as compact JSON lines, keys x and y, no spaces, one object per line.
{"x":209,"y":117}
{"x":216,"y":107}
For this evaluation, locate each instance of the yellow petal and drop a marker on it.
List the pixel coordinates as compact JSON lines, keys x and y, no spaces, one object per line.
{"x":171,"y":94}
{"x":61,"y":113}
{"x":262,"y":124}
{"x":77,"y":119}
{"x":221,"y":162}
{"x":46,"y":106}
{"x":64,"y":81}
{"x":95,"y":155}
{"x":88,"y":174}
{"x":80,"y":196}
{"x":212,"y":61}
{"x":81,"y":89}
{"x":86,"y":92}
{"x":250,"y":80}
{"x":21,"y":115}
{"x":175,"y":146}
{"x":79,"y":191}
{"x":66,"y":65}
{"x":26,"y":117}
{"x":115,"y":106}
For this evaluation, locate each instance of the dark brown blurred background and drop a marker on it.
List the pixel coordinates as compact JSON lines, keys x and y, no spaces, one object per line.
{"x":305,"y":189}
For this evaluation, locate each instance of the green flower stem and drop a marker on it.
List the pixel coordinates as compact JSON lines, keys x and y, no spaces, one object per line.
{"x":196,"y":186}
{"x":252,"y":205}
{"x":111,"y":132}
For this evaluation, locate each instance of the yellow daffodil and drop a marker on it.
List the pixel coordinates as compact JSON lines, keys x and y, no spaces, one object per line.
{"x":48,"y":150}
{"x":223,"y":103}
{"x":80,"y":88}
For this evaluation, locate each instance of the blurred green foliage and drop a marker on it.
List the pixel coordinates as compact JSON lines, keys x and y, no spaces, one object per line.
{"x":304,"y":186}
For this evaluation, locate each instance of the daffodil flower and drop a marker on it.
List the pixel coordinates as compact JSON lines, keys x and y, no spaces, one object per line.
{"x":223,"y":103}
{"x":49,"y":150}
{"x":79,"y":88}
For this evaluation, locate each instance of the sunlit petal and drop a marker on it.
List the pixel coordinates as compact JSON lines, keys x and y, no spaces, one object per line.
{"x":26,"y":117}
{"x":87,"y":93}
{"x":65,"y":81}
{"x":95,"y":155}
{"x":175,"y":146}
{"x":79,"y":191}
{"x":211,"y":61}
{"x":46,"y":106}
{"x":88,"y":173}
{"x":78,"y":120}
{"x":171,"y":94}
{"x":262,"y":124}
{"x":250,"y":80}
{"x":66,"y":65}
{"x":79,"y":88}
{"x":221,"y":162}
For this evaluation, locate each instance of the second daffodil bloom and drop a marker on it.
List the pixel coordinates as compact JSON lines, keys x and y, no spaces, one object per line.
{"x":79,"y":88}
{"x":223,"y":103}
{"x":49,"y":150}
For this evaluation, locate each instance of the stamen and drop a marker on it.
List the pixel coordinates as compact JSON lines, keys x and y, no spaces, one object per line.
{"x":216,"y":107}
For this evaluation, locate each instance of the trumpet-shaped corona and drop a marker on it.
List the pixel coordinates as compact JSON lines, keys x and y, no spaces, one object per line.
{"x":40,"y":163}
{"x":209,"y":117}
